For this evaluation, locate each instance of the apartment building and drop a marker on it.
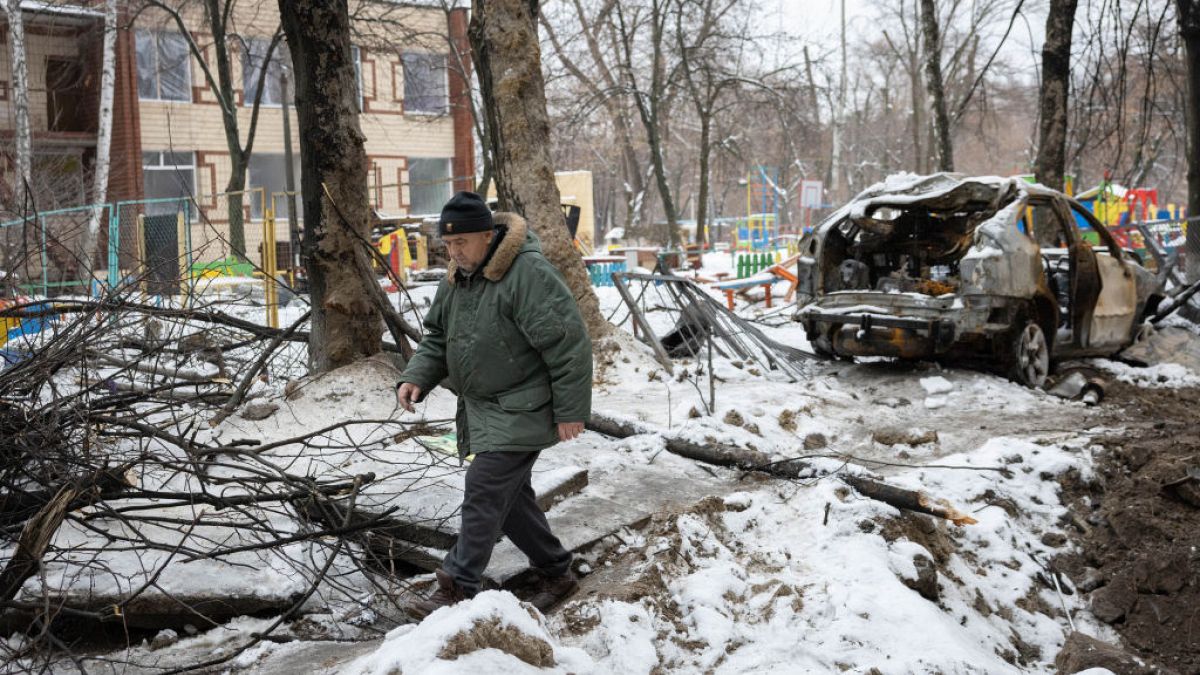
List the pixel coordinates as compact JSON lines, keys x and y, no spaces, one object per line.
{"x":169,"y":138}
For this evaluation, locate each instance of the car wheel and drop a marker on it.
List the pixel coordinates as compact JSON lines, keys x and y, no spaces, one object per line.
{"x":1030,"y":356}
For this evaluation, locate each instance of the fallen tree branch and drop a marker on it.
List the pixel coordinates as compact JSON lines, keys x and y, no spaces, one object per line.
{"x":909,"y":500}
{"x":719,"y":454}
{"x":36,"y":536}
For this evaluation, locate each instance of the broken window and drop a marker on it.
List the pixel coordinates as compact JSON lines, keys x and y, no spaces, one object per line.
{"x":163,"y":71}
{"x":253,"y":59}
{"x":425,"y":88}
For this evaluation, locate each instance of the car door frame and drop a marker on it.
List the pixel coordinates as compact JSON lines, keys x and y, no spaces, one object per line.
{"x":1125,"y":277}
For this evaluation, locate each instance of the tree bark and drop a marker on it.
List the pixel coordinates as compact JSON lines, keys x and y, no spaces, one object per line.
{"x":504,"y":42}
{"x":1189,"y":31}
{"x":1051,"y":162}
{"x":937,"y":91}
{"x":1050,"y":165}
{"x":20,"y":90}
{"x":100,"y":171}
{"x":346,"y":323}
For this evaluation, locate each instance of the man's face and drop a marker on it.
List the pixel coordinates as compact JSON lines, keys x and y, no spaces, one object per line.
{"x":468,"y":250}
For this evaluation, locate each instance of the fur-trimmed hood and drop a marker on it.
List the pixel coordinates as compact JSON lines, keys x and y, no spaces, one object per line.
{"x":515,"y":240}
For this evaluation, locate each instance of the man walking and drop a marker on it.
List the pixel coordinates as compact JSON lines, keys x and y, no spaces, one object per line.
{"x":506,"y":335}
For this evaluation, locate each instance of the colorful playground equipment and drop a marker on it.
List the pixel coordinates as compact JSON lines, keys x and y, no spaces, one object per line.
{"x":758,"y":231}
{"x":27,"y":323}
{"x":1130,"y":214}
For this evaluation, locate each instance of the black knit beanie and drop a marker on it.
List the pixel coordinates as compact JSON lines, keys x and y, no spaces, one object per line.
{"x":465,"y":212}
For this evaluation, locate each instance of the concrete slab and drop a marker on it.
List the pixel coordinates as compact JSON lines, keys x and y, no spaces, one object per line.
{"x":621,"y":498}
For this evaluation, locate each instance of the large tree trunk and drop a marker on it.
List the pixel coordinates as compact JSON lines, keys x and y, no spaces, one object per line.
{"x":346,"y":323}
{"x":937,"y":90}
{"x":1189,"y":30}
{"x":100,"y":171}
{"x":508,"y":64}
{"x":1050,"y":166}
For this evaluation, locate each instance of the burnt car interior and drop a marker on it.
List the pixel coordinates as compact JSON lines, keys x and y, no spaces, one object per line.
{"x":908,"y":248}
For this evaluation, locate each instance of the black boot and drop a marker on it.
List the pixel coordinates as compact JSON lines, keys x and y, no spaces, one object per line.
{"x":550,"y":591}
{"x":448,"y":593}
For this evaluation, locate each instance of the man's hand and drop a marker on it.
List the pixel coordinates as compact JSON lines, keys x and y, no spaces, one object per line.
{"x":569,"y":430}
{"x":408,"y":393}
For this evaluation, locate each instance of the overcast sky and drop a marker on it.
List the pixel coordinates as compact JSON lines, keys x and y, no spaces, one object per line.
{"x":818,"y":21}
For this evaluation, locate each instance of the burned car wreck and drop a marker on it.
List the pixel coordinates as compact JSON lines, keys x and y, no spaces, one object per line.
{"x":949,"y":267}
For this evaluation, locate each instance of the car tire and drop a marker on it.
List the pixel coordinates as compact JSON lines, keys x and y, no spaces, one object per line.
{"x":1029,"y":356}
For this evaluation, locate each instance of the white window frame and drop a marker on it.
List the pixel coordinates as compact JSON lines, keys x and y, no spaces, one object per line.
{"x":156,"y":35}
{"x":173,"y":168}
{"x":445,"y":85}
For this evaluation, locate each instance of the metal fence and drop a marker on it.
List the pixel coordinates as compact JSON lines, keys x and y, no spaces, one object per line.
{"x":47,"y":251}
{"x":161,"y":247}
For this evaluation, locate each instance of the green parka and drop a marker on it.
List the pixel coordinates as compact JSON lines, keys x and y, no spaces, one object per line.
{"x":510,"y":342}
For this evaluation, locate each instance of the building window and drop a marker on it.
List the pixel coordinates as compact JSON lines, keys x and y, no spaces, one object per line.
{"x":163,"y":71}
{"x":428,"y":185}
{"x":168,"y":175}
{"x":268,"y":171}
{"x":425,"y":83}
{"x":252,"y":63}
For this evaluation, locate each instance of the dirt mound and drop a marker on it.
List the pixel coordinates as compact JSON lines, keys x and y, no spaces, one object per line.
{"x":492,"y":633}
{"x":1139,"y":539}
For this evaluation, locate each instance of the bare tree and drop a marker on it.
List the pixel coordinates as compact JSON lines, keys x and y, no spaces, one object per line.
{"x":602,"y":84}
{"x":508,"y":64}
{"x":944,"y":144}
{"x":346,"y":321}
{"x":108,"y":78}
{"x":651,"y":99}
{"x":218,"y":16}
{"x":1050,"y":166}
{"x":20,"y":88}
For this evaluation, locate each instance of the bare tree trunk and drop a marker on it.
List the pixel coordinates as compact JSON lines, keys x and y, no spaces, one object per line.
{"x":108,"y":79}
{"x":508,"y":64}
{"x":1189,"y":30}
{"x":346,"y":323}
{"x":918,"y":124}
{"x":20,"y":87}
{"x":835,"y":152}
{"x":634,"y":183}
{"x":702,"y":194}
{"x":1050,"y":165}
{"x":649,"y":105}
{"x":937,"y":89}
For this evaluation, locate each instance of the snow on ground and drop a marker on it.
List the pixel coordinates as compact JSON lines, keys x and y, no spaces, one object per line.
{"x":771,"y":576}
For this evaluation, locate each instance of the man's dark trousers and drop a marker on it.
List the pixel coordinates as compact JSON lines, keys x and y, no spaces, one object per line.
{"x":499,"y":498}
